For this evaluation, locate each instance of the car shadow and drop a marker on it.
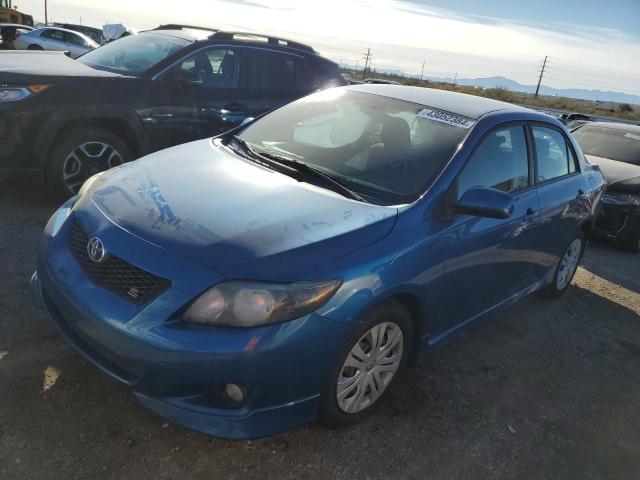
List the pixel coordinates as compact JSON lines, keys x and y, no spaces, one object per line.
{"x":602,"y":258}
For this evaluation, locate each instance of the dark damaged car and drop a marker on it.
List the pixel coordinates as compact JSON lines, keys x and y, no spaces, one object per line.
{"x":74,"y":118}
{"x":615,"y":147}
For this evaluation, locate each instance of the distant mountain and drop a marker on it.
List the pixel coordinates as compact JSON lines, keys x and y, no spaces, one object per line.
{"x":593,"y":95}
{"x":494,"y":82}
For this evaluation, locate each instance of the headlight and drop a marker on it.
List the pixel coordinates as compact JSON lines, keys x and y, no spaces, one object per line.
{"x":615,"y":198}
{"x":14,"y":94}
{"x":87,"y":184}
{"x":61,"y":216}
{"x":250,"y":304}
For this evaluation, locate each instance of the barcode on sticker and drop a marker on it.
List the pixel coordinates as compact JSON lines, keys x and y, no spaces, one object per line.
{"x":446,"y":118}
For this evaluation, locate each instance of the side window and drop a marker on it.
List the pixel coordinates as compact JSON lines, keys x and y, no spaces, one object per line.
{"x":267,"y":70}
{"x":54,"y":35}
{"x":311,"y":76}
{"x":72,"y":38}
{"x":214,"y":67}
{"x":553,"y":154}
{"x":501,"y":162}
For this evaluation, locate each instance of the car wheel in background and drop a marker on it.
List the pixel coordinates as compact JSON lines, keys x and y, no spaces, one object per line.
{"x":368,"y":366}
{"x":80,"y":154}
{"x":628,"y":239}
{"x":567,"y":267}
{"x":34,"y":47}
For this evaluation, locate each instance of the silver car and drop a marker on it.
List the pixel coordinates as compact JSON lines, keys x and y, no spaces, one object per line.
{"x":60,"y":39}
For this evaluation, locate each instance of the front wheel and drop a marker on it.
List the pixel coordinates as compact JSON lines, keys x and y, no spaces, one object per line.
{"x":34,"y":47}
{"x":567,"y":267}
{"x":80,"y":154}
{"x":368,"y":366}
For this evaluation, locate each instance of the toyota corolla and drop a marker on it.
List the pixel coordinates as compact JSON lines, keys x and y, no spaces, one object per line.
{"x":288,"y":269}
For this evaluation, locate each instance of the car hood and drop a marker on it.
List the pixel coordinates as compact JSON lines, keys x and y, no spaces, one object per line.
{"x":202,"y":201}
{"x":14,"y":65}
{"x":621,"y":177}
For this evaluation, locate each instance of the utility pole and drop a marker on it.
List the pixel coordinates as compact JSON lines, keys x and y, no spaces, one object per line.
{"x":367,"y":59}
{"x":455,"y":79}
{"x":544,"y":65}
{"x":422,"y":73}
{"x":46,"y":16}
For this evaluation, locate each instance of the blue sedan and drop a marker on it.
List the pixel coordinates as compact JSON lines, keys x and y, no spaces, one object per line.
{"x":289,"y":269}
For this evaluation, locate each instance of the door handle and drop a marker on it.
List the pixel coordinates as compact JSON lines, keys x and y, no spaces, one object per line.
{"x":530,"y":211}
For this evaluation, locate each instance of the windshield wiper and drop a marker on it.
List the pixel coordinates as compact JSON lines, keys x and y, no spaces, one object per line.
{"x":275,"y":160}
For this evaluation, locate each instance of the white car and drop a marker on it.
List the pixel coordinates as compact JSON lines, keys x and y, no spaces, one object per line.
{"x":60,"y":39}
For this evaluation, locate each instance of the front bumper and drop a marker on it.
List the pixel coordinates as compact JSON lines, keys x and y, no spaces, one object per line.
{"x":615,"y":215}
{"x":179,"y":370}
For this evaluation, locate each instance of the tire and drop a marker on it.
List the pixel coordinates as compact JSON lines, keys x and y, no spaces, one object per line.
{"x":34,"y":47}
{"x":80,"y":153}
{"x":390,"y":318}
{"x":628,"y":239}
{"x":570,"y":259}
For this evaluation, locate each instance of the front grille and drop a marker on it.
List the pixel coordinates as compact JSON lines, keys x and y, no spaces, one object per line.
{"x":114,"y":274}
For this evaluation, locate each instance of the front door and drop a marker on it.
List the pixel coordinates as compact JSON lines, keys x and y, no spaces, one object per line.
{"x":199,"y":97}
{"x":488,"y":260}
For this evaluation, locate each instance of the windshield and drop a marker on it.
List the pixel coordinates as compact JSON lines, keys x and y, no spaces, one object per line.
{"x":385,"y":149}
{"x":612,"y":143}
{"x":134,"y":54}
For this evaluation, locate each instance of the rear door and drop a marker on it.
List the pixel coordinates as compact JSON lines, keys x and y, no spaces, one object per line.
{"x":276,"y":78}
{"x":561,"y":192}
{"x":488,"y":260}
{"x":202,"y":95}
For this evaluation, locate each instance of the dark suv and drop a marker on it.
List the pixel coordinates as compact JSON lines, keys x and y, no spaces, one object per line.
{"x":174,"y":84}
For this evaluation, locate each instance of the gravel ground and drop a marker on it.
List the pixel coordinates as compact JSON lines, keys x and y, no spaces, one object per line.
{"x":545,"y":389}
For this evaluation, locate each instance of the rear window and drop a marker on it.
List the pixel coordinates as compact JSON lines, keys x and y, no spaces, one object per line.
{"x":612,"y":143}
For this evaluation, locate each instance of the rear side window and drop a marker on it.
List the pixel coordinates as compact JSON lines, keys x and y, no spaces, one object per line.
{"x":501,"y":161}
{"x":267,"y":70}
{"x":553,"y":154}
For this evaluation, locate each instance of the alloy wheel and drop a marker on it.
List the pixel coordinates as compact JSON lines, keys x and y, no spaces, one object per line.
{"x":369,"y":367}
{"x":86,"y":160}
{"x":569,"y":264}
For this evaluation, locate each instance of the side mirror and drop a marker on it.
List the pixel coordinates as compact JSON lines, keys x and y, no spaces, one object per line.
{"x":247,"y":120}
{"x":486,"y":202}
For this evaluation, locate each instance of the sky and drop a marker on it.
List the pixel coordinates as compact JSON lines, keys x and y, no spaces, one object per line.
{"x":590,"y":44}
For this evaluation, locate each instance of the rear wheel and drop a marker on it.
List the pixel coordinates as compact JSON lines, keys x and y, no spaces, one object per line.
{"x":369,"y":365}
{"x":628,"y":239}
{"x":34,"y":47}
{"x":567,"y":267}
{"x":81,"y":153}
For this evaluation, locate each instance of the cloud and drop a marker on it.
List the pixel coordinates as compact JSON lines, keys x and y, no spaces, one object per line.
{"x":403,"y":33}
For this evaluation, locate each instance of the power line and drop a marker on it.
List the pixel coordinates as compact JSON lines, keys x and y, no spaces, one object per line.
{"x":544,"y":65}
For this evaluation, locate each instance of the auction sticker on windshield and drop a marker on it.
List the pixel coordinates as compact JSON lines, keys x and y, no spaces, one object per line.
{"x":446,"y":118}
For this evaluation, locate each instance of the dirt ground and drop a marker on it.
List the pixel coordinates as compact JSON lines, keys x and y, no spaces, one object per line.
{"x":546,"y":389}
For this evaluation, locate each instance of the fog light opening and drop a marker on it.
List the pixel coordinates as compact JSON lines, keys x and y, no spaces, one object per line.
{"x":234,"y":392}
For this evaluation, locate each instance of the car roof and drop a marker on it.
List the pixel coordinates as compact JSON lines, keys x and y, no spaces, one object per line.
{"x":469,"y":106}
{"x":17,"y":25}
{"x":627,"y":127}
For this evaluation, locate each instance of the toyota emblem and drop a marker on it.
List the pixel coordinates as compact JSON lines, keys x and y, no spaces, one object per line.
{"x":95,"y":250}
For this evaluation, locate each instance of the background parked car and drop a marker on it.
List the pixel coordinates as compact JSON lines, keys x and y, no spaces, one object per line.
{"x":144,"y":93}
{"x":93,"y":33}
{"x":56,"y":39}
{"x":615,"y":147}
